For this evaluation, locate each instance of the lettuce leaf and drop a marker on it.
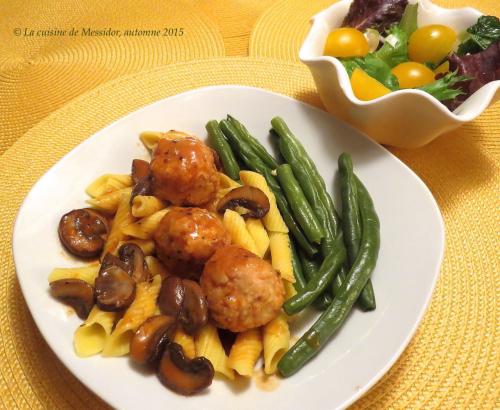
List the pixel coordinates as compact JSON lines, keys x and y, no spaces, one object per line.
{"x":408,"y":22}
{"x":443,"y":89}
{"x":395,"y":49}
{"x":375,"y":67}
{"x":377,"y":14}
{"x":481,"y":35}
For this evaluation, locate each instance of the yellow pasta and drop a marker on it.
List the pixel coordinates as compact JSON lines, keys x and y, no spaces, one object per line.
{"x":226,"y":182}
{"x":245,"y":352}
{"x":281,"y":255}
{"x":289,"y":289}
{"x":145,"y":205}
{"x":89,"y":339}
{"x":259,"y":235}
{"x":109,"y":202}
{"x":122,"y":218}
{"x":150,"y":138}
{"x":145,"y":227}
{"x":186,"y":341}
{"x":273,"y":220}
{"x":208,"y":345}
{"x":155,"y":266}
{"x":276,"y":341}
{"x":235,"y":225}
{"x":143,"y":306}
{"x":88,"y":273}
{"x":147,"y":245}
{"x":107,"y":183}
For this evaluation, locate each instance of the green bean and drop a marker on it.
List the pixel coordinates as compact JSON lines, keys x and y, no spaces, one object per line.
{"x":316,"y":285}
{"x":257,"y":147}
{"x":252,"y":161}
{"x":310,"y":268}
{"x":300,"y":207}
{"x":298,"y":272}
{"x":333,"y":318}
{"x":221,"y":146}
{"x":351,"y":224}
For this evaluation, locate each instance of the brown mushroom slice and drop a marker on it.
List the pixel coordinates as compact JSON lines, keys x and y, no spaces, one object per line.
{"x":83,"y":232}
{"x":148,"y":341}
{"x":182,"y":375}
{"x":217,"y":161}
{"x":132,"y":257}
{"x":76,"y":293}
{"x":194,"y":313}
{"x":114,"y":288}
{"x":171,"y":296}
{"x":141,"y":178}
{"x":250,"y":198}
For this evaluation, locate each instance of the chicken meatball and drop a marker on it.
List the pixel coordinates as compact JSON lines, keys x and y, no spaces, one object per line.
{"x":184,"y":171}
{"x":243,"y":291}
{"x":186,"y":238}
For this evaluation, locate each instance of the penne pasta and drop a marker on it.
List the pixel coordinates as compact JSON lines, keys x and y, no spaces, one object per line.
{"x":145,"y":227}
{"x":143,"y":306}
{"x":226,"y":182}
{"x":208,"y":345}
{"x":107,"y":183}
{"x":259,"y":234}
{"x":281,"y":255}
{"x":290,"y":290}
{"x":276,"y":341}
{"x":123,"y":217}
{"x":273,"y":220}
{"x":88,"y":273}
{"x":146,"y":205}
{"x":245,"y":352}
{"x":186,"y":341}
{"x":235,"y":225}
{"x":155,"y":266}
{"x":109,"y":202}
{"x":89,"y":339}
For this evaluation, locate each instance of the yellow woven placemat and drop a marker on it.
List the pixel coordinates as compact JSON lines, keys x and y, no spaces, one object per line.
{"x":453,"y":360}
{"x":42,"y":71}
{"x":280,"y":31}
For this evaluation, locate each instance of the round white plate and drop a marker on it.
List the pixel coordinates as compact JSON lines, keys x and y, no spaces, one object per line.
{"x":412,"y":241}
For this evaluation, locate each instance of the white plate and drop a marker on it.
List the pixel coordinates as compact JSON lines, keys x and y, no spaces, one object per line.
{"x":412,"y":240}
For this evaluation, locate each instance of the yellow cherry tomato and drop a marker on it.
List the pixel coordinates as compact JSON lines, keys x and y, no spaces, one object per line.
{"x":365,"y":87}
{"x":412,"y":75}
{"x":346,"y":42}
{"x":430,"y":44}
{"x":443,"y":68}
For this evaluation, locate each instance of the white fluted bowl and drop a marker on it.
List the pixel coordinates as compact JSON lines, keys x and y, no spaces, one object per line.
{"x":404,"y":118}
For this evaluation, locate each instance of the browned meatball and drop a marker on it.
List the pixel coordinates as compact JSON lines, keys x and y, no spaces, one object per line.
{"x":186,"y":238}
{"x":243,"y":291}
{"x":184,"y":172}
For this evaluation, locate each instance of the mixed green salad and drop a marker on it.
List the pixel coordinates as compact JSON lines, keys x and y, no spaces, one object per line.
{"x":384,"y":50}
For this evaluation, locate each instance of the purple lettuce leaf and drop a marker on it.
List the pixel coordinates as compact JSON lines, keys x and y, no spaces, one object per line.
{"x":481,"y":68}
{"x":377,"y":14}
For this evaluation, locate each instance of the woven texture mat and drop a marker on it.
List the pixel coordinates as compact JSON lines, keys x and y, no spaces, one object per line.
{"x":453,"y":360}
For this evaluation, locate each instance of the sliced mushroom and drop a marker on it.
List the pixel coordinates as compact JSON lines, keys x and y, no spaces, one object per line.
{"x":217,"y":161}
{"x":114,"y":288}
{"x":171,"y":296}
{"x":148,"y":341}
{"x":132,"y":257}
{"x":83,"y":232}
{"x":76,"y":293}
{"x":182,"y":375}
{"x":194,"y":313}
{"x":250,"y":198}
{"x":141,"y":178}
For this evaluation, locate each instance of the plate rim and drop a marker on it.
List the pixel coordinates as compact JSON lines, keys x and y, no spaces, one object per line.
{"x":418,"y":318}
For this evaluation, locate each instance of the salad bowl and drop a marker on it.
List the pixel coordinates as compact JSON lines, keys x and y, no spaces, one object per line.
{"x":407,"y":118}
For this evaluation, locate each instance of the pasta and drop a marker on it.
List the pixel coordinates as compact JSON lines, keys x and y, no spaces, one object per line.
{"x":143,"y":306}
{"x":107,"y":183}
{"x":281,"y":255}
{"x":272,"y":220}
{"x":186,"y":341}
{"x":150,"y":138}
{"x":259,"y":235}
{"x":208,"y":345}
{"x":276,"y":341}
{"x":155,"y":266}
{"x":226,"y":182}
{"x":89,"y":339}
{"x":88,"y":273}
{"x":235,"y":225}
{"x":109,"y":202}
{"x":145,"y":227}
{"x":245,"y":352}
{"x":290,"y":290}
{"x":145,"y":205}
{"x":123,"y":218}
